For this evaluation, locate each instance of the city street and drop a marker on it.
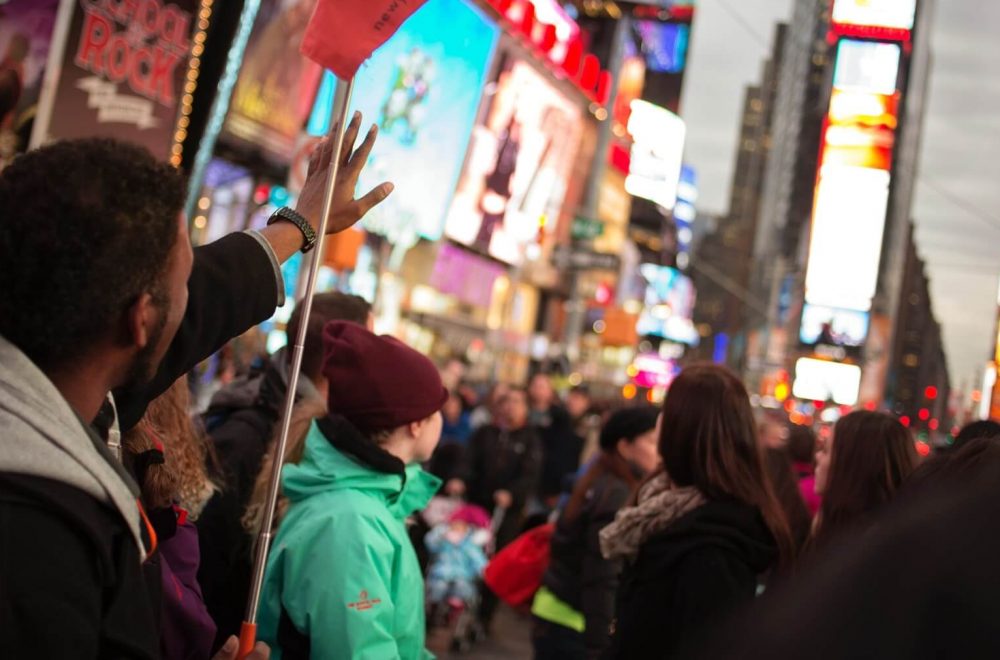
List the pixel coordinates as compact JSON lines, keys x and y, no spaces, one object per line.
{"x":511,"y":639}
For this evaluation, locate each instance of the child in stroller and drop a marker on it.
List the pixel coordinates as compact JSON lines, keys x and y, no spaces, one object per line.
{"x":458,"y":558}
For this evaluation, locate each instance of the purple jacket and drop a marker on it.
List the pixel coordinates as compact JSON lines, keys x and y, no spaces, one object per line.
{"x":187,"y":631}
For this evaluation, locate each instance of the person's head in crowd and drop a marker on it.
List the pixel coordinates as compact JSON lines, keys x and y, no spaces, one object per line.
{"x":389,"y":392}
{"x":628,"y":449}
{"x":578,"y":401}
{"x":541,"y":392}
{"x":453,"y":372}
{"x":96,"y":259}
{"x":326,"y":307}
{"x":708,"y":439}
{"x":983,"y":428}
{"x":495,"y":398}
{"x":452,"y":410}
{"x":182,"y":477}
{"x":957,"y":467}
{"x":513,"y":410}
{"x":860,"y":469}
{"x":801,"y":444}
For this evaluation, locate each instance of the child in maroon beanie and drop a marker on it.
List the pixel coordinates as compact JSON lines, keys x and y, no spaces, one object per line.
{"x":343,"y":579}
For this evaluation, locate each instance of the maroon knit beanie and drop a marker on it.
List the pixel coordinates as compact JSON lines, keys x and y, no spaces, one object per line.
{"x":378,"y":383}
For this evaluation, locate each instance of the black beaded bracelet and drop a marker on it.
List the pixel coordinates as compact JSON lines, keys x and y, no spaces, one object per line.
{"x":297,"y":219}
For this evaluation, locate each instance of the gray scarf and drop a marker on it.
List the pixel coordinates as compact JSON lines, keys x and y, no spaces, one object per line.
{"x":659,"y":505}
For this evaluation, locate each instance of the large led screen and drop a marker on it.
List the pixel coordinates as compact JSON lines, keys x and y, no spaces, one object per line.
{"x":276,"y":85}
{"x":423,"y":88}
{"x":657,"y":153}
{"x":669,"y":305}
{"x":520,"y":160}
{"x":829,"y":326}
{"x":846,"y":242}
{"x":867,"y":66}
{"x":818,"y":380}
{"x":664,"y":45}
{"x":896,"y":14}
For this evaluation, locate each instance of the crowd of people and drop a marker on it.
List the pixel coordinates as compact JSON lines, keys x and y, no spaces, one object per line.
{"x":127,"y":524}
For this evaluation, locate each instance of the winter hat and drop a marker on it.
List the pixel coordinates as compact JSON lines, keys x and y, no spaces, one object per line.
{"x":472,"y":515}
{"x":378,"y":383}
{"x":628,"y":424}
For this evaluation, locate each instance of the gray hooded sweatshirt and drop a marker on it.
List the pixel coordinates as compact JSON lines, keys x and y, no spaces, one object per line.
{"x":41,"y":436}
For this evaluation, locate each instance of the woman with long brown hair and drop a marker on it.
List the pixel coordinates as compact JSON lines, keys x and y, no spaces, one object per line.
{"x":167,"y":452}
{"x":859,"y":470}
{"x":578,"y":589}
{"x":704,"y":529}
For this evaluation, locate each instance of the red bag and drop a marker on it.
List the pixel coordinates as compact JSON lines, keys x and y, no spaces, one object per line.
{"x":515,"y":573}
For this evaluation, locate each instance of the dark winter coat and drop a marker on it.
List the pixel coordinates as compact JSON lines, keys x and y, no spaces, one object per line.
{"x":561,"y":449}
{"x":578,"y":575}
{"x":503,"y":460}
{"x":71,"y":580}
{"x":690,"y":578}
{"x":921,"y":584}
{"x":241,"y":422}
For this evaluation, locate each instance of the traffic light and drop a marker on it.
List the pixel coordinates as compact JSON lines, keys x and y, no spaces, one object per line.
{"x":931,"y":392}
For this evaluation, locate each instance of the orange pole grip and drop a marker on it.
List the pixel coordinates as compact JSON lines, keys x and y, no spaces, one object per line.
{"x":248,"y":637}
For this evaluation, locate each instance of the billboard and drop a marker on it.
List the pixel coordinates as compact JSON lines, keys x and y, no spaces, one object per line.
{"x":657,"y":152}
{"x":423,"y":89}
{"x":668,"y":305}
{"x":819,"y":380}
{"x":665,"y":45}
{"x":26,"y":28}
{"x":122,"y":74}
{"x":276,"y":85}
{"x":868,"y":66}
{"x":852,"y":192}
{"x":521,"y":157}
{"x":846,"y":242}
{"x":891,"y":14}
{"x":829,"y":326}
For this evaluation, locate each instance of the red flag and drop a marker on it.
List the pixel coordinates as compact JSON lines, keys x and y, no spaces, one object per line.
{"x":344,"y":33}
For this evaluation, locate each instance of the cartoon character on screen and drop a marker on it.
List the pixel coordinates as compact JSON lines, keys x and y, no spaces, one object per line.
{"x":407,"y":99}
{"x":458,"y":557}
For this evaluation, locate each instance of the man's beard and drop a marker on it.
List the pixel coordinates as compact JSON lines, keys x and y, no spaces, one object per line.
{"x":143,"y":368}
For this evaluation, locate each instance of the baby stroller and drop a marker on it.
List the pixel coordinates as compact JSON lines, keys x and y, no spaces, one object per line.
{"x":460,"y":543}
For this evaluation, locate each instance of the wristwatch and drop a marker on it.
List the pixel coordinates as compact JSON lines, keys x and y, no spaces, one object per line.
{"x":297,"y":219}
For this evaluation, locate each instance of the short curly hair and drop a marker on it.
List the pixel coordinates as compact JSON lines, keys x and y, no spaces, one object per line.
{"x":87,"y":227}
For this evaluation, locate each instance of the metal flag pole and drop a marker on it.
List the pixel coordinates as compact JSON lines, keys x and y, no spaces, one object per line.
{"x":248,"y":632}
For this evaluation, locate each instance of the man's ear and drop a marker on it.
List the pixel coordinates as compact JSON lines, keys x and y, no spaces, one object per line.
{"x":140,"y":318}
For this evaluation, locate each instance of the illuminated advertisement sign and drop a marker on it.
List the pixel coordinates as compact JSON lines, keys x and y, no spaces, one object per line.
{"x":829,"y":326}
{"x":124,"y":71}
{"x":518,"y":167}
{"x":276,"y":85}
{"x":852,"y":192}
{"x":846,"y":243}
{"x":669,"y":305}
{"x":819,"y":380}
{"x":657,"y":150}
{"x":867,"y":66}
{"x":423,"y":89}
{"x":665,"y":45}
{"x":652,"y":370}
{"x":887,"y":14}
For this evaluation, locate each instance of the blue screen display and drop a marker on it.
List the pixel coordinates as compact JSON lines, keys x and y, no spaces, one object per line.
{"x":423,"y":89}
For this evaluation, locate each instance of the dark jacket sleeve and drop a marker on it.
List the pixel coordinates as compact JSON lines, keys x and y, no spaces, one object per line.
{"x":599,"y":579}
{"x":232,"y":288}
{"x":531,"y":470}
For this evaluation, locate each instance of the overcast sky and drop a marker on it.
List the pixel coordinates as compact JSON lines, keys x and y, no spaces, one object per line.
{"x":959,"y":237}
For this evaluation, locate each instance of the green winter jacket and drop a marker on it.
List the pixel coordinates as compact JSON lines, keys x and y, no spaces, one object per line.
{"x":342,"y":565}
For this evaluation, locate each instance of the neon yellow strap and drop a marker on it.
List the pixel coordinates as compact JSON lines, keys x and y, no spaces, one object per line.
{"x":549,"y":608}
